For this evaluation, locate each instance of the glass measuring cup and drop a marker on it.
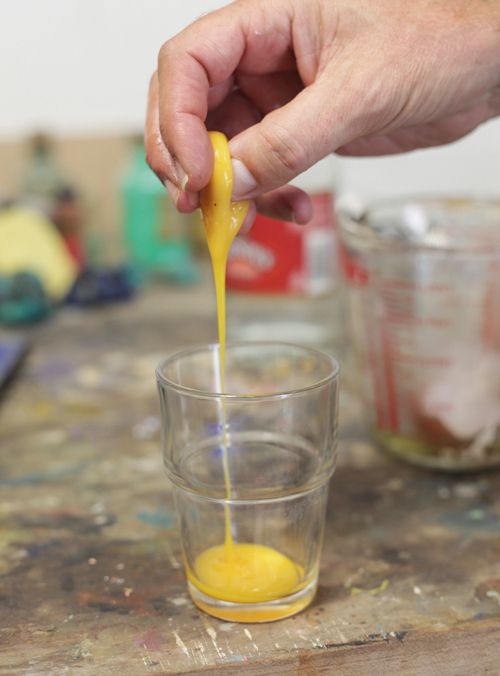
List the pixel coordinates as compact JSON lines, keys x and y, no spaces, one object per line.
{"x":424,"y":296}
{"x":252,"y":553}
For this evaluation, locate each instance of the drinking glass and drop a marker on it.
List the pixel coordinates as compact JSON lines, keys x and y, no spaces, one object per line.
{"x":250,"y":464}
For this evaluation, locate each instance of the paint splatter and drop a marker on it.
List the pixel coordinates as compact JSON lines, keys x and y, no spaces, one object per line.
{"x":41,"y":477}
{"x":180,"y":601}
{"x":150,"y":640}
{"x":212,"y":633}
{"x":180,"y":643}
{"x":373,"y":592}
{"x":161,"y":518}
{"x":147,"y":428}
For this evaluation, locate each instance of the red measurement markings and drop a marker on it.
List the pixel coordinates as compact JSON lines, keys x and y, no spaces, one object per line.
{"x":411,"y":285}
{"x":436,"y":360}
{"x":412,"y":320}
{"x":387,"y":357}
{"x":491,"y":311}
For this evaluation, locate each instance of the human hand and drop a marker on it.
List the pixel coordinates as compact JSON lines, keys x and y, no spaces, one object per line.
{"x":290,"y":81}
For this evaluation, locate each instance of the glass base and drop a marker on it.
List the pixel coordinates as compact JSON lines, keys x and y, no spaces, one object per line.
{"x":264,"y":611}
{"x":460,"y":460}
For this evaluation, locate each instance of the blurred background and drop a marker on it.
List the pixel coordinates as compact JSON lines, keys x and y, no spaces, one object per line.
{"x":74,"y":80}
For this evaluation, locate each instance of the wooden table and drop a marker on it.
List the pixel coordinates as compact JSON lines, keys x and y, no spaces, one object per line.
{"x":90,"y":574}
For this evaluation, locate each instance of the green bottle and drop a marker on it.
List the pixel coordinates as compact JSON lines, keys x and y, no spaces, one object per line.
{"x":157,"y":235}
{"x":43,"y":178}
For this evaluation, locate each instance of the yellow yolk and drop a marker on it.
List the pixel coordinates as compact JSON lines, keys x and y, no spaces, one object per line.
{"x":242,"y":573}
{"x":222,"y":219}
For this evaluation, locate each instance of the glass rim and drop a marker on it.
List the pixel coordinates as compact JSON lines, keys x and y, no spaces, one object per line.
{"x":211,"y":347}
{"x":354,"y":224}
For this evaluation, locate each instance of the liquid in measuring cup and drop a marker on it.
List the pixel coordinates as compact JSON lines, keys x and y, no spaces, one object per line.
{"x":425,"y":304}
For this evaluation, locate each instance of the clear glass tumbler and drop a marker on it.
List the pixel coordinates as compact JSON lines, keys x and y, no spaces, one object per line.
{"x":424,"y":287}
{"x":250,"y":468}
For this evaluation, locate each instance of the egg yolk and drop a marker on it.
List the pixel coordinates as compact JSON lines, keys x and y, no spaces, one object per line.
{"x":241,"y":573}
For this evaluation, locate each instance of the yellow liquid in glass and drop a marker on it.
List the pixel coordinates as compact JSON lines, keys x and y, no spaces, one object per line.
{"x":236,"y":572}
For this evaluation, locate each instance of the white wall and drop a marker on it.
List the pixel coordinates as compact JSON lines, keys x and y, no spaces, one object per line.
{"x":471,"y":165}
{"x":82,"y":66}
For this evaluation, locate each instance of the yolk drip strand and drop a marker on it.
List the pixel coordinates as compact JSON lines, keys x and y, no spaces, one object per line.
{"x":243,"y":573}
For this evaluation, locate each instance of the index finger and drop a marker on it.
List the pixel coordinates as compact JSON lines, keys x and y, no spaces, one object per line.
{"x":204,"y":55}
{"x":251,"y":37}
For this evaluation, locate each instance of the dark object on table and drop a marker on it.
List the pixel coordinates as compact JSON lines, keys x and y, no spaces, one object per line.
{"x":96,"y":286}
{"x":13,"y":348}
{"x":22,"y":299}
{"x":67,"y":216}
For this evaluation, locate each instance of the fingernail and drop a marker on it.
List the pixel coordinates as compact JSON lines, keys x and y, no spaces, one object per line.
{"x":173,"y":190}
{"x":246,"y":226}
{"x":180,"y":175}
{"x":243,"y":181}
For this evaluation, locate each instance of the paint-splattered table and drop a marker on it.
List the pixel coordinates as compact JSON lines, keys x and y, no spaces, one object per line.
{"x":90,"y":579}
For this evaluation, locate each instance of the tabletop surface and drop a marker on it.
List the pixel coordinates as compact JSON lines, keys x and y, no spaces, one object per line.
{"x":90,"y":568}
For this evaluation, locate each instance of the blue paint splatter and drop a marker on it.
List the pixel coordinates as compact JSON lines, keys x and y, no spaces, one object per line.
{"x":40,"y":477}
{"x":161,"y":518}
{"x":472,"y":520}
{"x":236,"y":658}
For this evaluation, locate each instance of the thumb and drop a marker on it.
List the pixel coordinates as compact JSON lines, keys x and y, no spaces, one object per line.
{"x":286,"y":142}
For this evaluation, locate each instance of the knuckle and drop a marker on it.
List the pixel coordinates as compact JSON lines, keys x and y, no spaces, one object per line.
{"x":165,"y":53}
{"x":284,"y":149}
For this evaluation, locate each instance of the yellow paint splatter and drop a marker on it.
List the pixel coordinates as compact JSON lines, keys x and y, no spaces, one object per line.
{"x":373,"y":592}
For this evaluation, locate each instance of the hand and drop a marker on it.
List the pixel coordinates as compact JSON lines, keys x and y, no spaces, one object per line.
{"x":290,"y":81}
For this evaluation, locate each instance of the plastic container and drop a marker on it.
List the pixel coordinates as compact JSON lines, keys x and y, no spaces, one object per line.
{"x":424,"y":292}
{"x":156,"y":234}
{"x":43,"y":178}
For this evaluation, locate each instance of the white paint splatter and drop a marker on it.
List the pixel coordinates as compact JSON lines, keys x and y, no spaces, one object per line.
{"x":250,"y":638}
{"x":213,"y":637}
{"x":180,"y":643}
{"x":227,"y":626}
{"x":417,"y":590}
{"x":180,"y":601}
{"x":212,"y":633}
{"x":493,"y":594}
{"x":466,"y":491}
{"x":100,"y":519}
